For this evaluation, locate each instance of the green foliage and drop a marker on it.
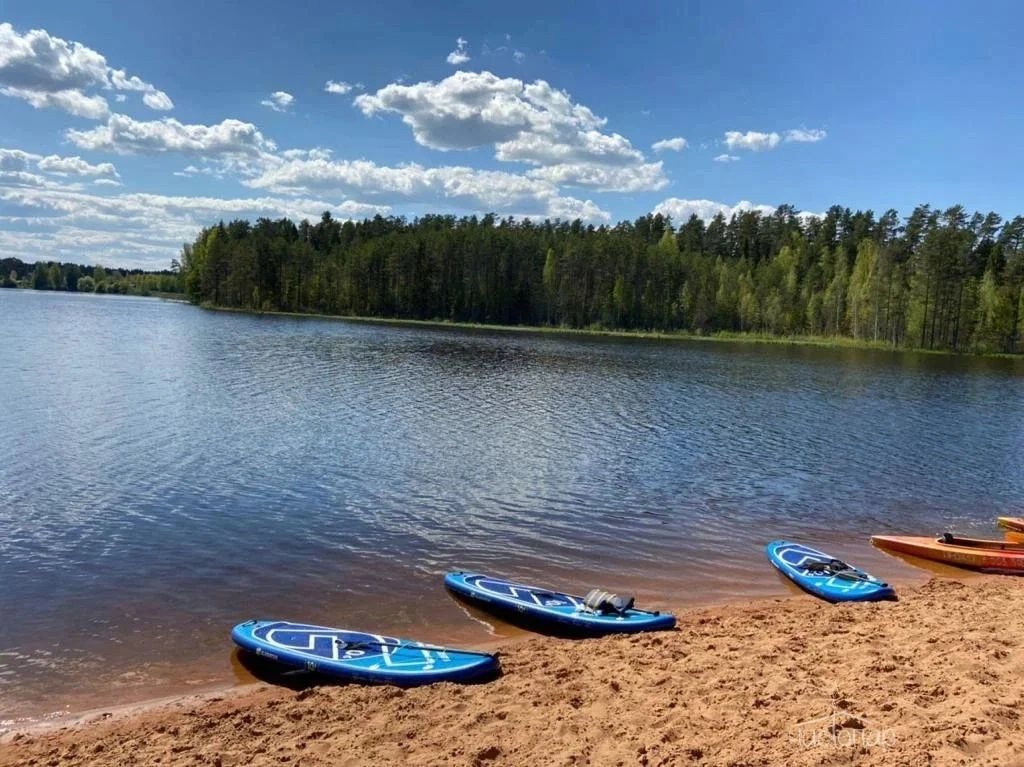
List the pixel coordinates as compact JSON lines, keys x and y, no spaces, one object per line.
{"x":41,"y":277}
{"x":63,"y":276}
{"x":938,"y":280}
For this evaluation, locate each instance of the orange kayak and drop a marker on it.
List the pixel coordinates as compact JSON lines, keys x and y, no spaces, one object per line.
{"x":1013,"y":536}
{"x":1011,"y":523}
{"x":974,"y":553}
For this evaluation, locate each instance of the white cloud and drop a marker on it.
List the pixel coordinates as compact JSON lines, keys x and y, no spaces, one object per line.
{"x":519,"y":56}
{"x":760,"y":142}
{"x":471,"y":109}
{"x":531,"y":123}
{"x":72,"y":101}
{"x":459,"y":56}
{"x":726,"y":158}
{"x":752,"y":140}
{"x":340,"y":88}
{"x":470,"y":187}
{"x":588,"y":146}
{"x":120,"y":98}
{"x":158,"y":100}
{"x":16,"y":160}
{"x":76,"y":166}
{"x":107,"y":182}
{"x":49,"y":72}
{"x":316,"y":153}
{"x":677,"y":144}
{"x":633,"y":178}
{"x":21,"y":178}
{"x":569,"y":209}
{"x":803,"y":135}
{"x":125,"y":135}
{"x":279,"y":101}
{"x":681,"y":210}
{"x":153,"y":98}
{"x":135,"y":230}
{"x":191,"y":170}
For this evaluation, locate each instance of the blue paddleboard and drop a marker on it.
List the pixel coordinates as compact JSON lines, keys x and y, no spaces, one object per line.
{"x":824,"y":576}
{"x":360,"y":657}
{"x":548,"y":610}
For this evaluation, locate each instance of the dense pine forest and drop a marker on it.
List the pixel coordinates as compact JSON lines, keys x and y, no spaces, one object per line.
{"x":936,"y":280}
{"x":54,"y":275}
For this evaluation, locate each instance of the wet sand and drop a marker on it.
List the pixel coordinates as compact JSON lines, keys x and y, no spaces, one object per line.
{"x":932,"y":679}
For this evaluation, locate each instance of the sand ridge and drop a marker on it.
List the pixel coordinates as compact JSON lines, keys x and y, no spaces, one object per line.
{"x":934,"y":679}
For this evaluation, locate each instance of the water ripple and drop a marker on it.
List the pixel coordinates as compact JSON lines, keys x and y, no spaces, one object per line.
{"x":168,"y":471}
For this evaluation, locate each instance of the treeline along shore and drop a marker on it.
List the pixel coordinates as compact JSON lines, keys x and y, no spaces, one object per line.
{"x":76,"y":278}
{"x":945,"y":280}
{"x":937,"y":280}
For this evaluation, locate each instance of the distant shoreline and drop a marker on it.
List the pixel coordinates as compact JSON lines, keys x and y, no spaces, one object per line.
{"x":826,"y":342}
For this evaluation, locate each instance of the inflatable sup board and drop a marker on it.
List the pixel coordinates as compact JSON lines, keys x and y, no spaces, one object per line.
{"x":824,"y":576}
{"x":550,"y":611}
{"x":360,"y":657}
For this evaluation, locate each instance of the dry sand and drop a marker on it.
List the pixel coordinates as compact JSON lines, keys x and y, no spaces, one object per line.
{"x":934,"y":679}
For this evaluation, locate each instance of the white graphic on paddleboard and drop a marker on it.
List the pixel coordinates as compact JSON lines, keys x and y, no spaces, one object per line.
{"x":798,"y":558}
{"x":525,"y":594}
{"x":370,"y":651}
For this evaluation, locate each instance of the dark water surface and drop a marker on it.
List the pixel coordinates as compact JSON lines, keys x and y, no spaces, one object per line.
{"x":166,"y":472}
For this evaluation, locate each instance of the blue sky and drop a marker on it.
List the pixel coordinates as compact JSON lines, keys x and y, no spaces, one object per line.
{"x":126,"y":126}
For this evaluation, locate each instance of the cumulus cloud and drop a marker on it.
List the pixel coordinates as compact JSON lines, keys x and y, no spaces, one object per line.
{"x":459,"y":56}
{"x":805,"y":136}
{"x":125,"y":135}
{"x":677,"y":144}
{"x":477,"y":189}
{"x":340,"y":88}
{"x":681,"y":210}
{"x":633,"y":178}
{"x":158,"y":100}
{"x":726,"y":158}
{"x":752,"y":140}
{"x":135,"y":230}
{"x":531,"y":123}
{"x":760,"y":142}
{"x":76,"y":166}
{"x":49,"y":72}
{"x":71,"y":101}
{"x":279,"y":101}
{"x":152,"y":98}
{"x":16,"y":160}
{"x":191,"y":170}
{"x":472,"y":109}
{"x":19,"y":162}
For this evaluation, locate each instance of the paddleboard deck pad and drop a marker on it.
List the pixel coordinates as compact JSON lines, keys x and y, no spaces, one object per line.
{"x":549,"y":611}
{"x":361,"y":657}
{"x":824,"y":576}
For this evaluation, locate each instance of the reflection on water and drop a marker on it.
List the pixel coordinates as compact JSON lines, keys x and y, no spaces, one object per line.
{"x":167,"y":472}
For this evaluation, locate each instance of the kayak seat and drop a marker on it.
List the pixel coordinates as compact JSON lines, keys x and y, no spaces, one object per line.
{"x":606,"y":603}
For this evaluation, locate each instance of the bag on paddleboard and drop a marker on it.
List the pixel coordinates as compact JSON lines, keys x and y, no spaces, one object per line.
{"x":605,"y":602}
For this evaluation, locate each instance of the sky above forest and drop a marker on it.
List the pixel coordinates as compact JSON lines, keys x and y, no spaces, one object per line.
{"x":125,"y":127}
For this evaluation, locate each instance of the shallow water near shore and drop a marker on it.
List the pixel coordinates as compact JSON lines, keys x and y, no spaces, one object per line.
{"x":167,"y":472}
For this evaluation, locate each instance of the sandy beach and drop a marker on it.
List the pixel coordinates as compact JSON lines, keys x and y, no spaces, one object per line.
{"x":932,"y":679}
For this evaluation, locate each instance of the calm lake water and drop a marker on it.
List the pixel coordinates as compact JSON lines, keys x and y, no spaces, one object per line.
{"x":166,"y":472}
